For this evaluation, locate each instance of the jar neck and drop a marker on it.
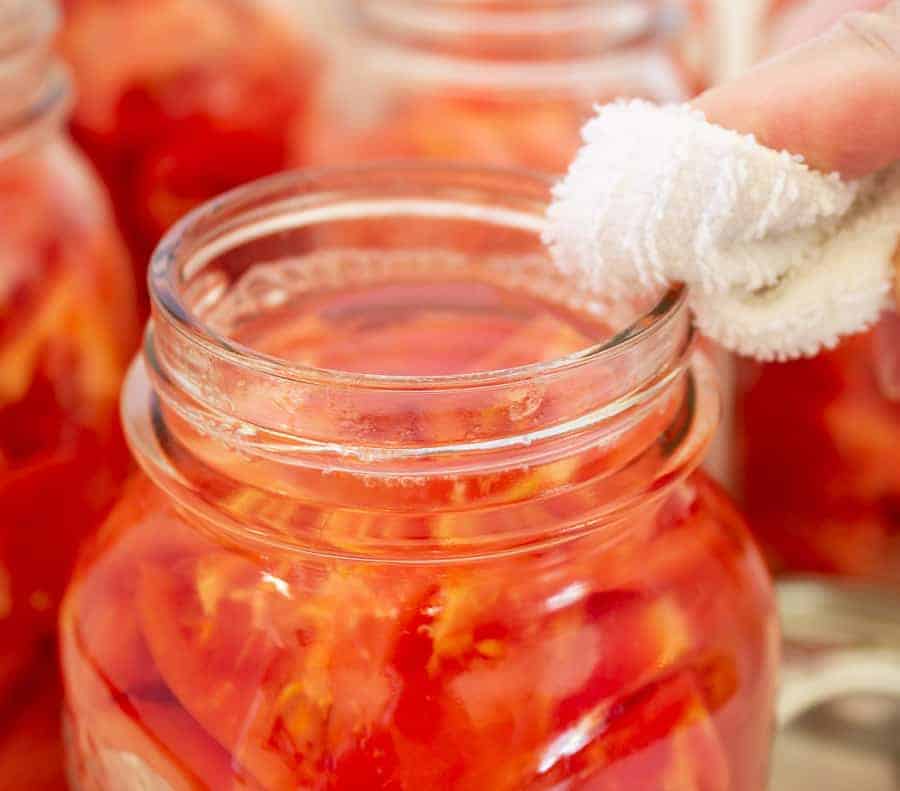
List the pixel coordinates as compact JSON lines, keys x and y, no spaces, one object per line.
{"x":514,"y":31}
{"x":219,"y":425}
{"x":34,"y":87}
{"x":514,"y":48}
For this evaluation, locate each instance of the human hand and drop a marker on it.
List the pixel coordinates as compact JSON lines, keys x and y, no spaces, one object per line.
{"x":834,"y":99}
{"x":793,"y":22}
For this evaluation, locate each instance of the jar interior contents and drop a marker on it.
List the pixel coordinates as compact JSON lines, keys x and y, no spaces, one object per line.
{"x":417,"y":322}
{"x":644,"y":667}
{"x":401,"y":623}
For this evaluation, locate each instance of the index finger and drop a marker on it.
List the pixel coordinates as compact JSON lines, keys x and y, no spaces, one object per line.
{"x":835,"y":100}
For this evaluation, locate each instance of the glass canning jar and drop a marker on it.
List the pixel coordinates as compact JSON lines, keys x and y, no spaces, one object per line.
{"x":414,"y":515}
{"x":506,"y":82}
{"x":67,"y":329}
{"x":818,"y":451}
{"x":179,"y":100}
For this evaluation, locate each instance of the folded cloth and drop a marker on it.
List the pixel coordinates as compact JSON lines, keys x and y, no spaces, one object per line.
{"x":780,"y":260}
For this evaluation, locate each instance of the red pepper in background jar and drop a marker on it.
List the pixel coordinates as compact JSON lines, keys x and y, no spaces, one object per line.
{"x":180,"y":100}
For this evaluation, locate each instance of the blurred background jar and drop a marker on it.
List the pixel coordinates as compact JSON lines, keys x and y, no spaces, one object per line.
{"x":818,"y":455}
{"x":504,"y":82}
{"x":67,"y":327}
{"x":179,"y":100}
{"x":819,"y":439}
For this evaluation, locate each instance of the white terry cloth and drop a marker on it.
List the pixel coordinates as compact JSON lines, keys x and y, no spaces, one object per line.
{"x":781,"y":260}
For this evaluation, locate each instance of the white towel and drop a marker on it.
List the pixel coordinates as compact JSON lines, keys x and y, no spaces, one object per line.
{"x":781,"y":260}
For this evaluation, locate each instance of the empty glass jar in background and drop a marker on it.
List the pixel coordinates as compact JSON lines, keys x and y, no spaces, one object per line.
{"x":416,"y":515}
{"x":502,"y":83}
{"x":179,"y":100}
{"x":67,"y":329}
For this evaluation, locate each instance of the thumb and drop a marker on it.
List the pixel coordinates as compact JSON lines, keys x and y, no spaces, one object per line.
{"x":835,"y":100}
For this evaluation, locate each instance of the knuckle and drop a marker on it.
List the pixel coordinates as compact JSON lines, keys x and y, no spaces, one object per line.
{"x":877,"y":33}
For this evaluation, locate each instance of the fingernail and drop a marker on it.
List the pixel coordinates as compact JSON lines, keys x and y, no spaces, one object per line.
{"x":878,"y":30}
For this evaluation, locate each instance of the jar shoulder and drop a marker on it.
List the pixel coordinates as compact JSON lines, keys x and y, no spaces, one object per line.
{"x":51,"y":197}
{"x":696,"y":535}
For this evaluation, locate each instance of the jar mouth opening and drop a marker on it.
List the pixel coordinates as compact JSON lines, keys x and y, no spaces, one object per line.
{"x":268,"y":210}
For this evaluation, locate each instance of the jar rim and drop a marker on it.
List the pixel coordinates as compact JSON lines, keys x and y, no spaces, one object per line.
{"x":197,"y":402}
{"x":513,"y":18}
{"x":175,"y":255}
{"x":567,"y":46}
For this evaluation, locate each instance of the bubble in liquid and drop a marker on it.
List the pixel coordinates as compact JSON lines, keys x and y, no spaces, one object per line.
{"x":525,"y":403}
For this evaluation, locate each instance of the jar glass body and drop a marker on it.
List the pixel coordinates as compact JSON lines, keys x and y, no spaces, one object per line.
{"x":644,"y":666}
{"x":204,"y":99}
{"x":506,"y":84}
{"x":414,"y":571}
{"x":817,"y":450}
